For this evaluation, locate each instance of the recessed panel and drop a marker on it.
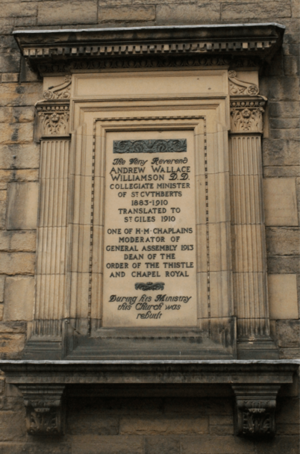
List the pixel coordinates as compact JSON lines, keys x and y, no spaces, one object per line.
{"x":149,"y":230}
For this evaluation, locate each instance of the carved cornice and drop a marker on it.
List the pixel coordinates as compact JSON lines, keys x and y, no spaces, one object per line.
{"x":50,"y":51}
{"x":246,"y":114}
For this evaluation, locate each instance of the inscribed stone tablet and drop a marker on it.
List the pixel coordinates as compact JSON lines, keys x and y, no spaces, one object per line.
{"x":149,"y":240}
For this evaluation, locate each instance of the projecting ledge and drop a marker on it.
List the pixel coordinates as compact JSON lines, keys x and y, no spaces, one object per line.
{"x":255,"y":385}
{"x":69,"y":50}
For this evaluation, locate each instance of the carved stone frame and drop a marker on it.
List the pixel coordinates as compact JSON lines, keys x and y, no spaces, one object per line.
{"x":55,"y":333}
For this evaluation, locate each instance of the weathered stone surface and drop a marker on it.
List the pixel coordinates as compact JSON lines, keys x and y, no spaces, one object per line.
{"x":291,"y":66}
{"x":288,"y":333}
{"x":19,"y":298}
{"x":284,"y":109}
{"x":279,"y":445}
{"x":283,"y":300}
{"x":288,"y":429}
{"x":2,"y":282}
{"x":280,"y":88}
{"x":295,"y":8}
{"x":12,"y":425}
{"x":285,"y":123}
{"x":92,"y":421}
{"x":234,"y":11}
{"x":126,"y":14}
{"x":280,"y":201}
{"x":162,"y":445}
{"x":6,"y":25}
{"x":281,"y":171}
{"x":285,"y":265}
{"x":210,"y":444}
{"x":22,"y":205}
{"x":283,"y":241}
{"x":289,"y":353}
{"x":20,"y":95}
{"x":215,"y":406}
{"x":72,"y":12}
{"x":16,"y":133}
{"x":11,"y":345}
{"x":10,"y":63}
{"x":19,"y":156}
{"x":187,"y":14}
{"x":285,"y":134}
{"x":11,"y":10}
{"x":280,"y":152}
{"x":17,"y":263}
{"x":288,"y":411}
{"x":107,"y":444}
{"x":163,"y":426}
{"x":17,"y":114}
{"x":47,"y":446}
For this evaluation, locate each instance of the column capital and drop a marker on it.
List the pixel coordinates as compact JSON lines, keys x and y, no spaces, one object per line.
{"x":246,"y":114}
{"x":52,"y":112}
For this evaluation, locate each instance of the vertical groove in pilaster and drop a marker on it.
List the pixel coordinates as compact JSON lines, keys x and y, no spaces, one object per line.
{"x":52,"y":229}
{"x":249,"y":264}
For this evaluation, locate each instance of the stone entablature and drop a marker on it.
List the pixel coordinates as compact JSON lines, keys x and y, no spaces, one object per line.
{"x":55,"y":51}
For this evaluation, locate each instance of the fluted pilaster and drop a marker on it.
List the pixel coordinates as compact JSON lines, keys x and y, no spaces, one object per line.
{"x":248,"y":229}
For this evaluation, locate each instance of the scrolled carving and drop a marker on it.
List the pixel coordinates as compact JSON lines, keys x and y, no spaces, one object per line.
{"x":150,"y":146}
{"x":60,"y":91}
{"x":149,"y":286}
{"x":240,"y":87}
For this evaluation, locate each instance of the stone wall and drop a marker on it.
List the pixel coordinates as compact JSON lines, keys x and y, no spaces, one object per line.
{"x":146,"y":425}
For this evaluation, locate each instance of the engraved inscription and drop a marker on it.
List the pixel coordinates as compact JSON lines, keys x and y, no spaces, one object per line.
{"x":149,"y":268}
{"x":149,"y":146}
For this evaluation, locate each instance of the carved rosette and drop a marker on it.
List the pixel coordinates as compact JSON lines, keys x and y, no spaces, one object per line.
{"x":52,"y":113}
{"x":255,"y":410}
{"x":44,"y":411}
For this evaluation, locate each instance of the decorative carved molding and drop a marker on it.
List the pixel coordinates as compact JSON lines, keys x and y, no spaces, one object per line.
{"x":255,"y":409}
{"x":240,"y":87}
{"x":139,"y":62}
{"x":150,"y":146}
{"x":52,"y":114}
{"x":44,"y":412}
{"x":60,"y":91}
{"x":50,"y":51}
{"x":246,"y":114}
{"x":53,"y":119}
{"x":149,"y":286}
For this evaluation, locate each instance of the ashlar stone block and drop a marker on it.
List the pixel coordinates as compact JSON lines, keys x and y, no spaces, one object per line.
{"x":283,"y":296}
{"x":280,"y":201}
{"x":19,"y":298}
{"x":22,"y":206}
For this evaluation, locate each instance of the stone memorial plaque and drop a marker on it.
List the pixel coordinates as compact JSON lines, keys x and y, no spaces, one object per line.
{"x":149,"y":230}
